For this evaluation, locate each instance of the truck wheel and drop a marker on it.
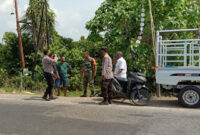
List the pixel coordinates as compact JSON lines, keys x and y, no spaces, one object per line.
{"x":189,"y":97}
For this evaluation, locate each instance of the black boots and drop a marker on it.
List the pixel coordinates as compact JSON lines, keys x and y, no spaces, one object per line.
{"x":110,"y":100}
{"x":105,"y":102}
{"x":45,"y":98}
{"x":85,"y":94}
{"x":92,"y":94}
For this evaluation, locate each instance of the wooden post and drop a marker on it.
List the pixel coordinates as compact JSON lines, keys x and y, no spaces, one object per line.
{"x":20,"y":46}
{"x":20,"y":37}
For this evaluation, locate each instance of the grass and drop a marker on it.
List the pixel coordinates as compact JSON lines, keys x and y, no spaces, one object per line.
{"x":8,"y":90}
{"x":12,"y":90}
{"x":76,"y":93}
{"x":79,"y":93}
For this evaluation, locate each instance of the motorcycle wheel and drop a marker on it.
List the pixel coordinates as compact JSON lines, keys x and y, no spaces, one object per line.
{"x":141,"y":99}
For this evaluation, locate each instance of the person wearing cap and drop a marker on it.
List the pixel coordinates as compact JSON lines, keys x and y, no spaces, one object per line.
{"x":107,"y":76}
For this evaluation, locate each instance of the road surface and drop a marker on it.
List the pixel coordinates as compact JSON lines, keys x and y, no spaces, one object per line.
{"x":29,"y":115}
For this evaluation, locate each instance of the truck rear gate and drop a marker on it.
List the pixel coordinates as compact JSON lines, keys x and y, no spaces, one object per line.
{"x":177,"y":60}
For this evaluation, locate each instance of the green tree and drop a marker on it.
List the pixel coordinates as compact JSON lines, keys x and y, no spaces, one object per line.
{"x":32,"y":24}
{"x":9,"y":52}
{"x":117,"y":22}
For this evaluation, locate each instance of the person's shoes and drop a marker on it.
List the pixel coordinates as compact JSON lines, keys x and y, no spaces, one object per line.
{"x":46,"y":99}
{"x":100,"y":95}
{"x":58,"y":95}
{"x":104,"y":102}
{"x":92,"y":94}
{"x":110,"y":101}
{"x":84,"y":95}
{"x":53,"y":98}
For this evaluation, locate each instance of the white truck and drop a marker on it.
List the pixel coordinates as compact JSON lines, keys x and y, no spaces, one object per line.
{"x":178,"y":64}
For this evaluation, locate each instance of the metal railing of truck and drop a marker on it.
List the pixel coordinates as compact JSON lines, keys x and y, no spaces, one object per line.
{"x":178,"y":52}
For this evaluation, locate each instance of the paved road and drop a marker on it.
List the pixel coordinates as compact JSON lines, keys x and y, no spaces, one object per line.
{"x":29,"y":115}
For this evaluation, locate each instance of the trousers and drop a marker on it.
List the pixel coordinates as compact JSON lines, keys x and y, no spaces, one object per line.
{"x":106,"y":88}
{"x":50,"y":82}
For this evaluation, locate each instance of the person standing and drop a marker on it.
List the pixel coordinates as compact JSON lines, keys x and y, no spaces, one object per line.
{"x":48,"y":63}
{"x":54,"y":73}
{"x":62,"y":68}
{"x":107,"y":76}
{"x":88,"y":73}
{"x":121,"y":66}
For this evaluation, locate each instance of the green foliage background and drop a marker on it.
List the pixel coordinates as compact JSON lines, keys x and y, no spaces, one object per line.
{"x":116,"y":24}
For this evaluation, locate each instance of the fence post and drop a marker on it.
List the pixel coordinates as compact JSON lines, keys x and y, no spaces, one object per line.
{"x":21,"y":81}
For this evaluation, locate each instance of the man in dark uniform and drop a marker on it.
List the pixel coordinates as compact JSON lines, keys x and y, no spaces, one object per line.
{"x":88,"y":73}
{"x":107,"y":76}
{"x":48,"y":63}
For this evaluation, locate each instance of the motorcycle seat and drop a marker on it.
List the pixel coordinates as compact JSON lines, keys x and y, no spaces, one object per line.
{"x":122,"y":79}
{"x":139,"y":74}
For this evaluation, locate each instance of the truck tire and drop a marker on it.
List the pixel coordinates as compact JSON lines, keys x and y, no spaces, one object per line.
{"x":189,"y":97}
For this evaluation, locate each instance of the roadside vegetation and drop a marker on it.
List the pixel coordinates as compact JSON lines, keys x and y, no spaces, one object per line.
{"x":116,"y":24}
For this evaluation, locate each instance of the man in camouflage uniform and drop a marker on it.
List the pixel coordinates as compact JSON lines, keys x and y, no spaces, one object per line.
{"x":88,"y":73}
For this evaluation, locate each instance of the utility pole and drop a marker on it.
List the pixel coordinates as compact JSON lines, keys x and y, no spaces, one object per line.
{"x":20,"y":37}
{"x":152,"y":27}
{"x":154,"y":41}
{"x":20,"y":45}
{"x":47,"y":29}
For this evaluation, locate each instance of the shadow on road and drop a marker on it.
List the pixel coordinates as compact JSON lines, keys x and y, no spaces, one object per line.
{"x":165,"y":103}
{"x":88,"y":103}
{"x":34,"y":98}
{"x":160,"y":103}
{"x":153,"y":103}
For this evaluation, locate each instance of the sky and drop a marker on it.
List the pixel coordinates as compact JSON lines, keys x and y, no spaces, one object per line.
{"x":71,"y":15}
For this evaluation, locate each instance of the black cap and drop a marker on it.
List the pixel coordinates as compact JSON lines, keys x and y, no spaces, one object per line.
{"x":45,"y":52}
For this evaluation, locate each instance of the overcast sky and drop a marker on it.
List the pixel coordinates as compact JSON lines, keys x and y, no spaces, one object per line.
{"x":71,"y":15}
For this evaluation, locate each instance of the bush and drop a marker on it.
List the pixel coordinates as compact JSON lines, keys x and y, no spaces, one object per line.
{"x":75,"y":83}
{"x":3,"y":76}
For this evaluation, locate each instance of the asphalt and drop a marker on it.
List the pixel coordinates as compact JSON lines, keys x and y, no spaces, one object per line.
{"x":30,"y":115}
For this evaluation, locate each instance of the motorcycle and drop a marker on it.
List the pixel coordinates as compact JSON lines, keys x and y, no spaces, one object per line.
{"x":133,"y":88}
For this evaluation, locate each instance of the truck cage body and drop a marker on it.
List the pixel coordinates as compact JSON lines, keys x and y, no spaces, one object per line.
{"x":177,"y":60}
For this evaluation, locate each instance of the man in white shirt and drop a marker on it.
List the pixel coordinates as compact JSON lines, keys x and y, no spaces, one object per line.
{"x":121,"y":66}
